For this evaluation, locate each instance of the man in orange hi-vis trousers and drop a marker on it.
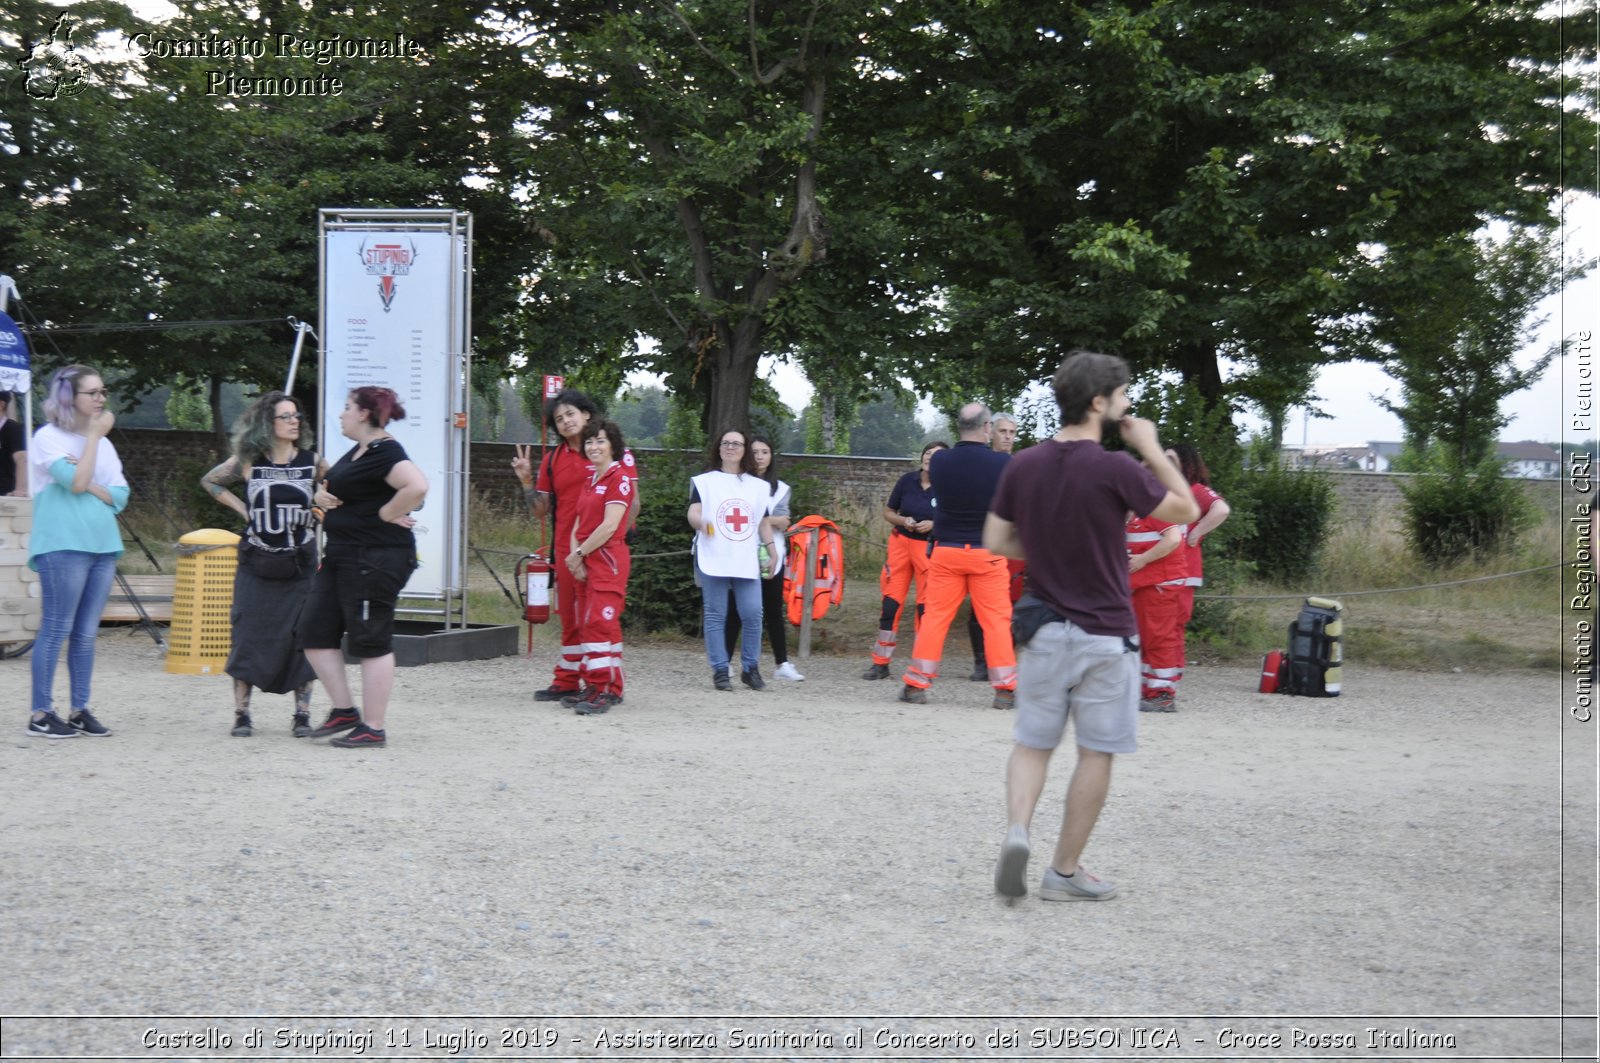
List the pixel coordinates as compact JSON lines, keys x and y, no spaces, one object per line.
{"x":964,"y":479}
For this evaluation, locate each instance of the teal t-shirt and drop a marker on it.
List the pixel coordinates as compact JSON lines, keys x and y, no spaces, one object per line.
{"x":66,"y":521}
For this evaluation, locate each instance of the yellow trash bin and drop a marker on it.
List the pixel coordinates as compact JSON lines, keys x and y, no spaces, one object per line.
{"x":202,"y":633}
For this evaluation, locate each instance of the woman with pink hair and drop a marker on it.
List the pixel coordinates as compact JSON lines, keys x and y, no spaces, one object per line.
{"x":370,"y":553}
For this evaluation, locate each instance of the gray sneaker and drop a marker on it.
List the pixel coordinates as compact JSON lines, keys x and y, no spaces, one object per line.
{"x":1013,"y":865}
{"x":1082,"y":886}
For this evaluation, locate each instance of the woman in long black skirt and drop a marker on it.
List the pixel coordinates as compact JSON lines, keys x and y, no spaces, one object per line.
{"x":272,"y":455}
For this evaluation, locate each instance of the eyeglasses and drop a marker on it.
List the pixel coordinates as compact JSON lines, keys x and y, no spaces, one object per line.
{"x":728,"y":445}
{"x":288,"y":417}
{"x":97,"y":393}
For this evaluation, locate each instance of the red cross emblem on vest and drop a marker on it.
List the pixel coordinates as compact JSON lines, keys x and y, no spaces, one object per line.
{"x":734,"y":519}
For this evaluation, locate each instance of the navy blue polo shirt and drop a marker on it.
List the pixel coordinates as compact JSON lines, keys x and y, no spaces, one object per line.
{"x":964,"y":478}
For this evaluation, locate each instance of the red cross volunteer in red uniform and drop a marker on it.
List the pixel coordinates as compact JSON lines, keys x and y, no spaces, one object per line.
{"x":599,"y":561}
{"x":563,"y":477}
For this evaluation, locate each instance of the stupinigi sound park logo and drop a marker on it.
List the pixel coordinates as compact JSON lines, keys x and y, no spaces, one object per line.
{"x":386,"y":262}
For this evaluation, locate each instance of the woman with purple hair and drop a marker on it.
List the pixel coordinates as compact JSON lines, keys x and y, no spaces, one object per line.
{"x":78,"y":490}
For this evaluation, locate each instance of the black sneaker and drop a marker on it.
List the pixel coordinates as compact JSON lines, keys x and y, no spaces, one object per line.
{"x":980,"y":672}
{"x":596,"y":704}
{"x":752,"y":679}
{"x":362,"y":737}
{"x":876,"y":671}
{"x":338,"y":720}
{"x":719,"y":679}
{"x":84,"y":723}
{"x":302,"y":725}
{"x":572,"y":697}
{"x":554,"y":693}
{"x":50,"y":726}
{"x":1005,"y":699}
{"x":241,"y":725}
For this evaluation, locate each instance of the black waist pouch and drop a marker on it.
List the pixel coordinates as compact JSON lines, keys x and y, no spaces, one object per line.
{"x":1028,"y":615}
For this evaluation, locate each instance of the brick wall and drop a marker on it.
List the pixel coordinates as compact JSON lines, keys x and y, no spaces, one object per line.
{"x":19,"y":585}
{"x":1376,"y":495}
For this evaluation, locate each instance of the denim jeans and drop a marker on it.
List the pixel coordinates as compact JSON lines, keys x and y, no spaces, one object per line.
{"x":75,"y":586}
{"x":747,"y":598}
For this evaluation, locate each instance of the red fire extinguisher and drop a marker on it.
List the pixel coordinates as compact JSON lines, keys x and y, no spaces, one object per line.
{"x":533,"y":573}
{"x":533,"y":576}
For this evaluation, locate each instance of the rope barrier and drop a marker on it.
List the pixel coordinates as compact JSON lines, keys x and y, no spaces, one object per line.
{"x":140,"y":326}
{"x":1198,"y":597}
{"x":1380,"y":590}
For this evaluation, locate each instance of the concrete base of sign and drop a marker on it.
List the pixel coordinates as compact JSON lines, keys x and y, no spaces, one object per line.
{"x":418,"y":642}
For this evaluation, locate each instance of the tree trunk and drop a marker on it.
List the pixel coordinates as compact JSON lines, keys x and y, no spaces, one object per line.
{"x":828,"y":412}
{"x":1275,"y":422}
{"x":214,"y":399}
{"x":1198,"y":364}
{"x":733,"y":377}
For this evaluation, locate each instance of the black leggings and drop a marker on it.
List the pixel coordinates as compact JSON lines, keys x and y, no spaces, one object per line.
{"x":772,"y":612}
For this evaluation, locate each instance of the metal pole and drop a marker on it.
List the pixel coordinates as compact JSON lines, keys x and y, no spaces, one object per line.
{"x":808,"y":591}
{"x":300,"y":330}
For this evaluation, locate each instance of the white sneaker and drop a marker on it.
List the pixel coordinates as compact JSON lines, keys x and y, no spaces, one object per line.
{"x":786,"y":671}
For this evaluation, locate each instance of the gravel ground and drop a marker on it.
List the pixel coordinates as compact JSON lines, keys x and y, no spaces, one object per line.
{"x":815,"y":850}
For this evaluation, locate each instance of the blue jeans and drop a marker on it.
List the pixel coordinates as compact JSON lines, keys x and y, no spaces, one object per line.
{"x":75,"y":586}
{"x":747,"y":599}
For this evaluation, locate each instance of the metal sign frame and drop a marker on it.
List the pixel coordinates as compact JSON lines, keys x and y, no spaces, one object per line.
{"x":442,"y":550}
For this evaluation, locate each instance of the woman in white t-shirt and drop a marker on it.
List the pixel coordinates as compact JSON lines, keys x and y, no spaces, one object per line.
{"x":78,"y":490}
{"x":728,"y":509}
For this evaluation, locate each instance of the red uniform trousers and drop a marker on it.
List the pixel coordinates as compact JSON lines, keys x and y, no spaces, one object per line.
{"x":599,"y":607}
{"x":1187,"y":592}
{"x":954,"y":573}
{"x":569,"y":665}
{"x":907,"y":561}
{"x":1159,"y":611}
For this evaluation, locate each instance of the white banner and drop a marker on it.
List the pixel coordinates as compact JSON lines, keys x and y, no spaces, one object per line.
{"x":390,"y":314}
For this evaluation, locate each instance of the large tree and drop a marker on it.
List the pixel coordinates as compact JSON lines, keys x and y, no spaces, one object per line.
{"x":678,"y":169}
{"x":1188,"y":182}
{"x":153,"y":197}
{"x":1454,"y":349}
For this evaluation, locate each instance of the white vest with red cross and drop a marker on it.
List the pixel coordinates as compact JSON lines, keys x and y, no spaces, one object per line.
{"x":734,"y":506}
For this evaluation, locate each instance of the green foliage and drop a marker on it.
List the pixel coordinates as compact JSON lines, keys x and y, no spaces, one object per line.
{"x":1287,"y":517}
{"x":641,"y":413}
{"x":887,"y":427}
{"x":662,"y":595}
{"x":144,"y":198}
{"x":1454,"y":348}
{"x":187,"y":407}
{"x":1454,"y":513}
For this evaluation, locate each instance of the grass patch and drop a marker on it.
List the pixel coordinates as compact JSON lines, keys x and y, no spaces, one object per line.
{"x":1494,"y":625}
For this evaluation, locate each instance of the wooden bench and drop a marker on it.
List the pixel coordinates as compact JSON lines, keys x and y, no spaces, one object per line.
{"x":154,"y":592}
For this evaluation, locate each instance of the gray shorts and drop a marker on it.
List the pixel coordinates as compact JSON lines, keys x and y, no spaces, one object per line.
{"x":1095,"y":678}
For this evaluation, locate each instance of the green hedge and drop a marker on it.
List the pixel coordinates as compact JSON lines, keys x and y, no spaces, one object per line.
{"x":1291,"y":515}
{"x":1453,"y":514}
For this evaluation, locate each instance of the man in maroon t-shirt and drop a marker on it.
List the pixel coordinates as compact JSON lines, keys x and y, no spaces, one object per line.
{"x":1061,"y":506}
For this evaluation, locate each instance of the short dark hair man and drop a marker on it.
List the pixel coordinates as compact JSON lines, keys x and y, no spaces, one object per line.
{"x":1003,"y":438}
{"x":1061,"y":506}
{"x":13,"y":449}
{"x":964,"y":478}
